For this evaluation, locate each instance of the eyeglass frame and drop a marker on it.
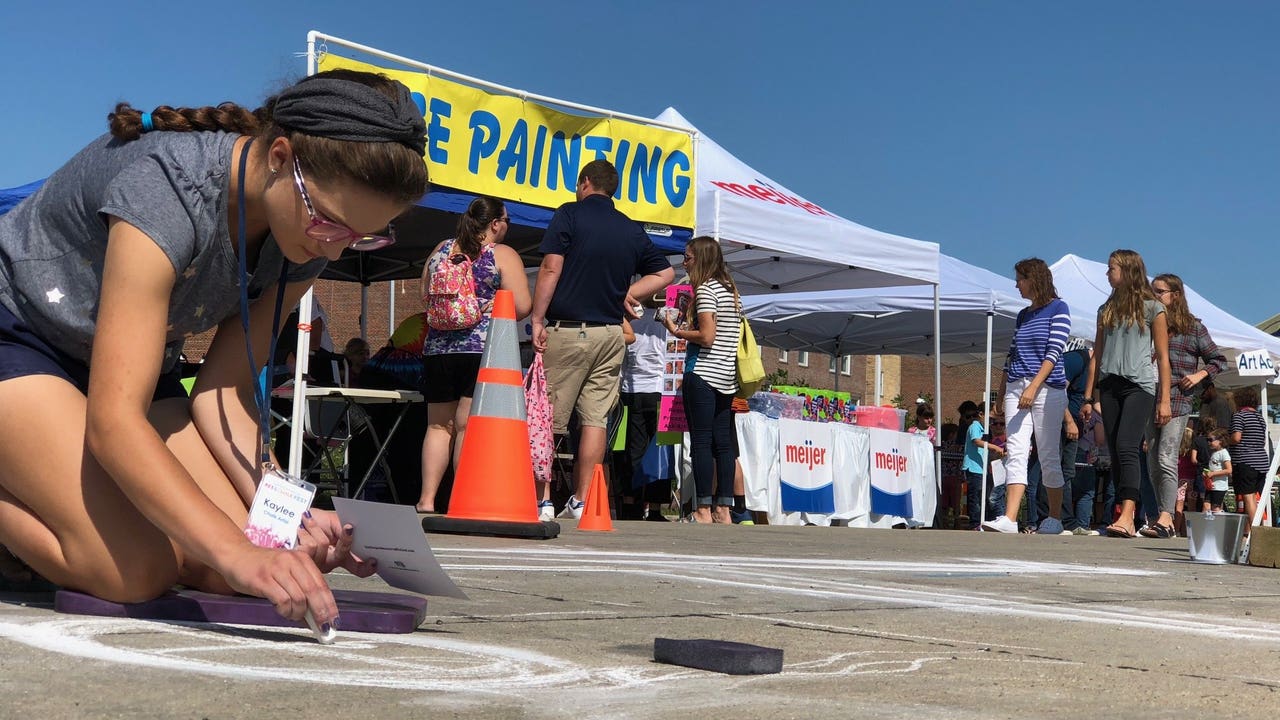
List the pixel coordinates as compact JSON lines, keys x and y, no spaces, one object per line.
{"x":359,"y":242}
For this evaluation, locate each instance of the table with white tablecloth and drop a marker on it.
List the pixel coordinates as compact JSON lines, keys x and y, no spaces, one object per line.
{"x":906,"y":459}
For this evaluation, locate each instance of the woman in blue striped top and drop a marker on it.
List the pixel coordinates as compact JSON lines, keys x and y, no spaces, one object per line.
{"x":1035,"y":395}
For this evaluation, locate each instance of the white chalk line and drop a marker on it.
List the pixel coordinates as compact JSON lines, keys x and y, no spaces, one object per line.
{"x":474,"y":667}
{"x":686,"y":568}
{"x":578,"y":558}
{"x":458,"y":666}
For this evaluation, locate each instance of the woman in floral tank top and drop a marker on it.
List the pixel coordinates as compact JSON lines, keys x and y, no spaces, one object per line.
{"x":451,"y":358}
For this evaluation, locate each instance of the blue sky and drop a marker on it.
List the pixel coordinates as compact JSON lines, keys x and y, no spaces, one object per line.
{"x":999,"y":130}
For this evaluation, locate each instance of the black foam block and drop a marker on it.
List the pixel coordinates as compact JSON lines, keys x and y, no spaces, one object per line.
{"x":722,"y":656}
{"x":493,"y":528}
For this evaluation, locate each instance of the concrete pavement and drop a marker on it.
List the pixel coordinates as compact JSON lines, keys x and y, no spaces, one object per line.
{"x":874,"y":623}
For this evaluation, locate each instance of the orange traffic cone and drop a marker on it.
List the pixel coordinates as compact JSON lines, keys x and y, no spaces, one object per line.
{"x":493,"y":490}
{"x":595,"y":513}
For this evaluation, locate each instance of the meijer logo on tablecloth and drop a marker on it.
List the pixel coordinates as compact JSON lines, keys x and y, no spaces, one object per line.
{"x":806,"y":454}
{"x":892,"y":460}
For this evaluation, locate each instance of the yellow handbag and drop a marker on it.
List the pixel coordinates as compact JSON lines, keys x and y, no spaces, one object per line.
{"x":750,"y":365}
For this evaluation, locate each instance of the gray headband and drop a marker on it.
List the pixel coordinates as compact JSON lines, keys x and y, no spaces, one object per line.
{"x":350,"y":110}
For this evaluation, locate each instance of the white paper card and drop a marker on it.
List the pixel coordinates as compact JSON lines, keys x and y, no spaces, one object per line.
{"x":276,"y":513}
{"x":393,"y":534}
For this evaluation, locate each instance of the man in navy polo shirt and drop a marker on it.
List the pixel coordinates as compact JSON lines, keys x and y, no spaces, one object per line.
{"x":590,"y":253}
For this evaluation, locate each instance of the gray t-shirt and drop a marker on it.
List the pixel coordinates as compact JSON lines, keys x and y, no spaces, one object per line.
{"x":1129,"y":351}
{"x":173,"y":186}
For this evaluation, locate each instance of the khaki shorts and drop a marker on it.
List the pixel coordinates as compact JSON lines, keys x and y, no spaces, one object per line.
{"x":583,"y":365}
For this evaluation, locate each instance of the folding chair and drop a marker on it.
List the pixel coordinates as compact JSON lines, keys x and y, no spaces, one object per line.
{"x":326,"y":426}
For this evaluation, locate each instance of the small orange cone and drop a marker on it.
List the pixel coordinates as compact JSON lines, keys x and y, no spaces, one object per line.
{"x":595,"y":514}
{"x":493,"y":491}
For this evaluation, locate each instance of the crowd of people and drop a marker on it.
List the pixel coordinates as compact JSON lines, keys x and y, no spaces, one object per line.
{"x":1108,"y":430}
{"x":120,"y":483}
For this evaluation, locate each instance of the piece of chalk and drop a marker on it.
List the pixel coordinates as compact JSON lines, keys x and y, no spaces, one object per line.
{"x":731,"y":658}
{"x":323,"y":637}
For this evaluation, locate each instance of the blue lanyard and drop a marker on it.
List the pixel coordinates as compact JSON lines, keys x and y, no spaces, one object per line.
{"x":261,"y":390}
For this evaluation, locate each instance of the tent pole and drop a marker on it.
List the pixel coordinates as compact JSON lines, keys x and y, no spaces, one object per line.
{"x":986,"y":398}
{"x":937,"y":391}
{"x":836,"y":388}
{"x":715,"y":227}
{"x":302,"y":349}
{"x":879,"y":386}
{"x":364,"y":312}
{"x":391,"y":312}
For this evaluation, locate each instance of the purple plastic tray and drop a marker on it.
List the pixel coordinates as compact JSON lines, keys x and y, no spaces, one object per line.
{"x":358,"y":611}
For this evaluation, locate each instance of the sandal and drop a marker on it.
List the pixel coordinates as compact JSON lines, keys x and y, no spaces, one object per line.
{"x":1163,"y":531}
{"x":1119,"y":531}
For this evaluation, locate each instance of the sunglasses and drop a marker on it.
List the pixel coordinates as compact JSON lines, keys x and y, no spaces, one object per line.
{"x":326,"y":230}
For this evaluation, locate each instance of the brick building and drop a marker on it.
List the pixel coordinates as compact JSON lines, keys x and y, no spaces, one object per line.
{"x":341,"y":301}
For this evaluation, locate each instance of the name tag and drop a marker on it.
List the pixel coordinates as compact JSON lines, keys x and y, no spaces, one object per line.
{"x":278,"y":505}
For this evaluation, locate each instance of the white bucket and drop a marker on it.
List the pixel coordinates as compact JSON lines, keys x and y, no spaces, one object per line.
{"x":1215,"y":537}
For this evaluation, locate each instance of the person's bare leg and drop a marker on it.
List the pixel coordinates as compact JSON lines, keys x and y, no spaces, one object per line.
{"x":435,"y":451}
{"x":460,"y":428}
{"x":1055,"y":502}
{"x":1125,"y":521}
{"x":1013,"y":500}
{"x":65,"y":517}
{"x":172,"y":419}
{"x":591,"y":445}
{"x":1250,"y":507}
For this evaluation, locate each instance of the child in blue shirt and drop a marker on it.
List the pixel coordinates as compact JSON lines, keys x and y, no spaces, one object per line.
{"x":976,"y":451}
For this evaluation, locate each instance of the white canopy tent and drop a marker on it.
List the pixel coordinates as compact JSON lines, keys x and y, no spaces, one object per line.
{"x":977,"y":306}
{"x":775,"y":241}
{"x":1083,"y":285}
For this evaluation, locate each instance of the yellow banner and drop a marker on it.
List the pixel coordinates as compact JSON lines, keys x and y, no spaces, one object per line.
{"x":518,"y":150}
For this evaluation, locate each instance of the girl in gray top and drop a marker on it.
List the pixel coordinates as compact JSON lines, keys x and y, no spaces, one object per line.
{"x":117,"y":484}
{"x":1128,"y":375}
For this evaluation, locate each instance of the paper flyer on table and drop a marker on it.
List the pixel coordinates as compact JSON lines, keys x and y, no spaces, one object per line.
{"x":393,"y":534}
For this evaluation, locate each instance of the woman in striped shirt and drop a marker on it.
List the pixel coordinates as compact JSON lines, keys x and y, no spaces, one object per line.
{"x":1034,"y":389}
{"x":1249,"y":459}
{"x":711,"y":377}
{"x":1132,"y":329}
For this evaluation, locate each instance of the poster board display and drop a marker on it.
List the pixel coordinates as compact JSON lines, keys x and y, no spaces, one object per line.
{"x":679,"y":301}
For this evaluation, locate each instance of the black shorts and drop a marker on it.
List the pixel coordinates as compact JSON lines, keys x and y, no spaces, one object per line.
{"x":1215,"y":497}
{"x":23,"y":353}
{"x":1245,"y":480}
{"x":449,"y":378}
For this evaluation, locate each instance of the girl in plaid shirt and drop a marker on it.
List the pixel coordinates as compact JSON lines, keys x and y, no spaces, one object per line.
{"x":1189,"y":345}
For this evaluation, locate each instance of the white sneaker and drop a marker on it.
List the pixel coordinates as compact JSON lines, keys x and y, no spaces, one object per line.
{"x":546,"y":511}
{"x":1050,"y":526}
{"x":572,"y":509}
{"x":1002,"y":524}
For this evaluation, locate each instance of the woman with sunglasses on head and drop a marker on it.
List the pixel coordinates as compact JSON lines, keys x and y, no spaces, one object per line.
{"x":1189,"y":345}
{"x":451,"y":358}
{"x":710,"y":377}
{"x":1124,"y":381}
{"x":115,"y":483}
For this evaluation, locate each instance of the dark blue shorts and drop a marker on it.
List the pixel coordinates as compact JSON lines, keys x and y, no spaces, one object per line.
{"x":23,"y":353}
